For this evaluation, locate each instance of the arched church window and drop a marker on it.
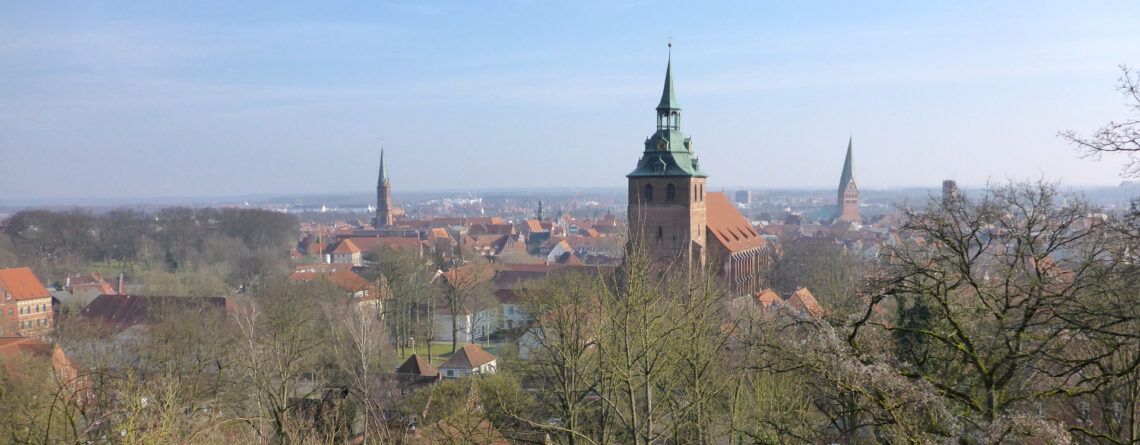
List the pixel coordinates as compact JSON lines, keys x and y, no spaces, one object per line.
{"x":660,"y":232}
{"x":670,"y":193}
{"x":648,"y":192}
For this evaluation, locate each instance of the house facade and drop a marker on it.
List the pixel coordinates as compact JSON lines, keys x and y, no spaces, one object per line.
{"x":25,"y":304}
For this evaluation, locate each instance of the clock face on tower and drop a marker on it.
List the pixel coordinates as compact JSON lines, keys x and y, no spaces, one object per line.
{"x":661,"y":144}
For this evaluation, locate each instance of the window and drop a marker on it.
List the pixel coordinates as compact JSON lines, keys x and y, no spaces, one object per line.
{"x":660,"y":232}
{"x":670,"y":193}
{"x":450,"y":373}
{"x":648,"y":192}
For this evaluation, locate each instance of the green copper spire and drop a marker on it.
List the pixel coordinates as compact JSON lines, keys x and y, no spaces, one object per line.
{"x":383,"y":169}
{"x":668,"y":152}
{"x":847,"y":175}
{"x":668,"y":97}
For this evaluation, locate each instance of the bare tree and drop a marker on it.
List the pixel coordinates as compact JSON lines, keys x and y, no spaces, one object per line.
{"x":1116,"y":137}
{"x":465,"y":289}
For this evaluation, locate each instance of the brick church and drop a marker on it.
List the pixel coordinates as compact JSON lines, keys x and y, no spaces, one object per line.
{"x":677,"y":220}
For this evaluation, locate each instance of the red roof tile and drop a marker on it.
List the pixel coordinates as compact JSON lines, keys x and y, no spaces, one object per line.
{"x":728,"y":226}
{"x":346,"y":246}
{"x":470,"y":357}
{"x":21,"y":284}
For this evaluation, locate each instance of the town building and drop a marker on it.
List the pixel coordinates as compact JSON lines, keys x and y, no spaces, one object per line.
{"x":469,"y":360}
{"x":674,"y":220}
{"x":25,"y":308}
{"x":847,"y":201}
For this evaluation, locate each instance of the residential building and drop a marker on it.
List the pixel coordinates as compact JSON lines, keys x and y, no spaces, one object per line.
{"x":347,"y":253}
{"x":469,"y":360}
{"x":25,"y":308}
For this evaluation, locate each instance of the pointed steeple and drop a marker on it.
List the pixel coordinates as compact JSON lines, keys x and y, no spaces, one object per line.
{"x":847,"y":174}
{"x":383,"y":169}
{"x":668,"y":97}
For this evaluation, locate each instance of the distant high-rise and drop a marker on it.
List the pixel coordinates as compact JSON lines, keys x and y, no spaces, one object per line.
{"x":847,"y":202}
{"x":384,"y":214}
{"x":744,"y":197}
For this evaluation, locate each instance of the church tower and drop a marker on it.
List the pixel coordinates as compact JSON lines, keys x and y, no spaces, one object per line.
{"x":384,"y":217}
{"x":667,"y":189}
{"x":847,"y":202}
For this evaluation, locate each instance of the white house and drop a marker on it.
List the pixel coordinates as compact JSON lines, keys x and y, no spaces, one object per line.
{"x":470,"y":360}
{"x":441,"y":326}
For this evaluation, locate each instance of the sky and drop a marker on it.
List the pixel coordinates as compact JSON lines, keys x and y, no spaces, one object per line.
{"x":221,"y":98}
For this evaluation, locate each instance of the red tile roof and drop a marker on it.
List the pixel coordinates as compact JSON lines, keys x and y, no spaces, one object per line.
{"x":416,"y":365}
{"x":368,"y":244}
{"x":470,"y":357}
{"x":767,"y":298}
{"x":21,"y":284}
{"x":728,"y":227}
{"x":342,"y":278}
{"x":346,"y":246}
{"x":803,"y":300}
{"x":123,"y":311}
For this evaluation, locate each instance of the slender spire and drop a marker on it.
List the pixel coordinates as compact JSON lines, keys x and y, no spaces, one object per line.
{"x":668,"y":98}
{"x":847,"y":174}
{"x":383,"y":169}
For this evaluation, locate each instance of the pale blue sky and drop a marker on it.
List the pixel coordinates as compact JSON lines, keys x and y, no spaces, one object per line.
{"x":146,"y":99}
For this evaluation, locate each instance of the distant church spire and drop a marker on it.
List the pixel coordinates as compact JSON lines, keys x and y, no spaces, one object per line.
{"x":847,"y":175}
{"x":383,"y":169}
{"x":384,"y":214}
{"x":847,"y":202}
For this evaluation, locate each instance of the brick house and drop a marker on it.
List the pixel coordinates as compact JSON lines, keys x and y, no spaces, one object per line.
{"x":25,"y":305}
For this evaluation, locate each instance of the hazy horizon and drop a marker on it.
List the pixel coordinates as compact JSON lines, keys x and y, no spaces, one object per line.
{"x":163,"y":100}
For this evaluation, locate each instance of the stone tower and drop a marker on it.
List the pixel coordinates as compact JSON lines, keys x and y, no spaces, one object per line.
{"x":950,"y":193}
{"x":384,"y":215}
{"x":847,"y":202}
{"x":667,"y":189}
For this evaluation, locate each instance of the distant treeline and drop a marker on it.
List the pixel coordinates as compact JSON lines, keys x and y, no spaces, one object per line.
{"x":236,"y":246}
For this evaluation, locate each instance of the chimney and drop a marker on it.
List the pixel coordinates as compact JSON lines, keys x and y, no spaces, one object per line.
{"x":121,"y":291}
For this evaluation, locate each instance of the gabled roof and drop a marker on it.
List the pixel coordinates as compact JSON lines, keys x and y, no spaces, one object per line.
{"x":416,"y":365}
{"x":10,"y":346}
{"x":803,"y":300}
{"x":534,"y":225}
{"x":21,"y":284}
{"x":342,"y":278}
{"x":127,"y":310}
{"x":767,"y":298}
{"x":346,"y":246}
{"x":368,"y":244}
{"x":439,"y":233}
{"x":728,"y":227}
{"x":470,"y":357}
